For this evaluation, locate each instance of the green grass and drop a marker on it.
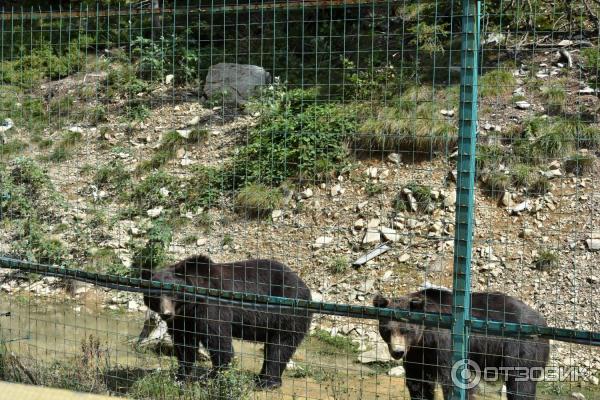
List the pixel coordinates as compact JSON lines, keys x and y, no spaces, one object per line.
{"x":334,"y":345}
{"x":373,"y":188}
{"x":540,"y":186}
{"x":522,"y":175}
{"x":496,"y":83}
{"x":112,"y":175}
{"x":554,"y":96}
{"x":546,"y":260}
{"x":105,"y":261}
{"x":12,"y":147}
{"x":422,"y":195}
{"x":496,"y":183}
{"x":171,"y":141}
{"x":62,"y":151}
{"x":580,"y":164}
{"x":257,"y":200}
{"x":338,"y":265}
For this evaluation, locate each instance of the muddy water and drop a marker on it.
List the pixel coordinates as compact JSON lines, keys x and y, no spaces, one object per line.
{"x":51,"y":329}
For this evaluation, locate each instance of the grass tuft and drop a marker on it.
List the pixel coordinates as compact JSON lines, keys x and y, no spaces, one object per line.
{"x":496,"y":83}
{"x":257,"y":200}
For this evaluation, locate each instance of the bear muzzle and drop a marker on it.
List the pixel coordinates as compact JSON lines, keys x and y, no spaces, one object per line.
{"x":397,"y":346}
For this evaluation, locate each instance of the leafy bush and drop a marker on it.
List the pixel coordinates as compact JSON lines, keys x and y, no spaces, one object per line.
{"x":203,"y":187}
{"x":546,"y":260}
{"x":496,"y":183}
{"x":294,"y":139}
{"x":499,"y":82}
{"x":422,"y":196}
{"x":257,"y":200}
{"x":153,"y":254}
{"x":112,"y":175}
{"x":147,"y":194}
{"x":338,"y":265}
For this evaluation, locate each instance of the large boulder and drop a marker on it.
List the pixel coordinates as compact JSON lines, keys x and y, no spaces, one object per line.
{"x":235,"y":82}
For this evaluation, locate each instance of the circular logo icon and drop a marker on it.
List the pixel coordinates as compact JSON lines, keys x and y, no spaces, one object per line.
{"x":468,"y":377}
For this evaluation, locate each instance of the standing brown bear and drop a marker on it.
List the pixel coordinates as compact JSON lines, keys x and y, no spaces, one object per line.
{"x":214,"y":323}
{"x":427,"y":351}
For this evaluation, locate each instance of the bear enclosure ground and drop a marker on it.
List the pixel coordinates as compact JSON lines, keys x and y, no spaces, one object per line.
{"x":301,"y":133}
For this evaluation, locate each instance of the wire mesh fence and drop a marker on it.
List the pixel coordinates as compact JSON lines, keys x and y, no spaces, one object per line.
{"x":290,"y":151}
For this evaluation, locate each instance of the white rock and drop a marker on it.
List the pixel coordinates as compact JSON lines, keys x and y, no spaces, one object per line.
{"x":565,"y":43}
{"x":397,"y":372}
{"x":164,"y":192}
{"x":291,"y":365}
{"x":594,"y":380}
{"x":371,"y":172}
{"x":184,"y":133}
{"x":169,"y":78}
{"x":276,"y":214}
{"x":587,"y":90}
{"x":404,"y":258}
{"x":360,"y":206}
{"x":307,"y":193}
{"x":593,"y":244}
{"x":186,"y":161}
{"x":522,"y":105}
{"x":526,"y":205}
{"x":76,"y":129}
{"x":506,"y":199}
{"x":387,"y":275}
{"x":155,"y":212}
{"x":194,"y":121}
{"x":390,"y":234}
{"x":235,"y":82}
{"x":395,"y":158}
{"x":77,"y":309}
{"x":359,"y":224}
{"x":132,"y":305}
{"x":379,"y":353}
{"x":336,"y":189}
{"x":577,"y":396}
{"x":487,"y":126}
{"x":372,"y":235}
{"x":373,"y":223}
{"x":450,"y":199}
{"x":322,"y":241}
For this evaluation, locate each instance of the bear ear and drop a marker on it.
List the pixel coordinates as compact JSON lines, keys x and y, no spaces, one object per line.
{"x":380,"y":301}
{"x":416,"y":303}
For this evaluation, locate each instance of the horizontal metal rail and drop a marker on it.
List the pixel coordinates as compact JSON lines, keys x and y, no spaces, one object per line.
{"x":297,"y":306}
{"x":31,"y":14}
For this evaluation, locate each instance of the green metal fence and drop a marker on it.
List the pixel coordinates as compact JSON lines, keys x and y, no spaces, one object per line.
{"x":373,"y":147}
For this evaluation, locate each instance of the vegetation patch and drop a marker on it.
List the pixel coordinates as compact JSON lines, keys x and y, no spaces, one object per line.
{"x":420,"y":197}
{"x":338,"y":265}
{"x":112,"y":175}
{"x":500,"y":82}
{"x":546,"y":260}
{"x":334,"y":345}
{"x":62,"y":150}
{"x":171,"y":141}
{"x":580,"y":164}
{"x":257,"y":200}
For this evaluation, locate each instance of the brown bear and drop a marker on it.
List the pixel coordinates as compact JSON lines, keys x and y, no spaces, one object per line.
{"x":214,"y":323}
{"x":427,"y":351}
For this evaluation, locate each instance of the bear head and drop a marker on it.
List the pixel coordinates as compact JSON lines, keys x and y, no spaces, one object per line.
{"x":400,"y":336}
{"x":165,"y":304}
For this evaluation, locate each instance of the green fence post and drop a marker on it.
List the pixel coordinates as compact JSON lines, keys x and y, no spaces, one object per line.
{"x":465,"y":185}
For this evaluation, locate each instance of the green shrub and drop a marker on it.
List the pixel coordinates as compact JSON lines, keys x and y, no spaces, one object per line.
{"x":413,"y":125}
{"x":496,"y":183}
{"x":546,"y":260}
{"x":203,"y":187}
{"x":591,"y":62}
{"x":12,"y":147}
{"x":555,"y":97}
{"x":62,"y":150}
{"x":522,"y":175}
{"x":489,"y":156}
{"x":112,"y":175}
{"x":153,"y":254}
{"x":540,"y":186}
{"x":257,"y":200}
{"x":338,"y":265}
{"x":588,"y":137}
{"x":422,"y":196}
{"x":496,"y":83}
{"x":147,"y":193}
{"x":168,"y":147}
{"x":294,"y":139}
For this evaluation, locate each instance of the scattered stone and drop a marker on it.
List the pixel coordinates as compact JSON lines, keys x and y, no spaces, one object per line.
{"x":164,"y":192}
{"x":76,"y":129}
{"x":132,"y":305}
{"x":565,"y":43}
{"x":404,"y":258}
{"x":551,"y":174}
{"x":593,"y":243}
{"x":387,"y":275}
{"x":276,"y":214}
{"x":506,"y":199}
{"x":447,"y":113}
{"x":395,"y":158}
{"x":322,"y":241}
{"x":378,"y":354}
{"x":359,"y":224}
{"x":397,"y":372}
{"x":450,"y":199}
{"x":526,"y":205}
{"x":587,"y":90}
{"x":373,"y":223}
{"x":526,"y":233}
{"x":577,"y":396}
{"x":371,"y":172}
{"x":291,"y":365}
{"x":522,"y":105}
{"x":155,"y":212}
{"x":194,"y":121}
{"x":169,"y":79}
{"x":336,"y":190}
{"x":487,"y":126}
{"x":594,"y":380}
{"x":235,"y":82}
{"x":184,"y":133}
{"x":390,"y":234}
{"x":371,"y":236}
{"x":360,"y":206}
{"x":307,"y":193}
